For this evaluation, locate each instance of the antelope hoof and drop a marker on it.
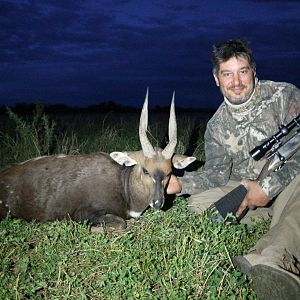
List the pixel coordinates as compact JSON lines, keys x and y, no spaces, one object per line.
{"x":109,"y":223}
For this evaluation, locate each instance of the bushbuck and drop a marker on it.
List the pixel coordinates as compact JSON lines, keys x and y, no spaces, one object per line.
{"x":102,"y":188}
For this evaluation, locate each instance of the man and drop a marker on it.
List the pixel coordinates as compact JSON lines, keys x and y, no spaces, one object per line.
{"x":251,"y":112}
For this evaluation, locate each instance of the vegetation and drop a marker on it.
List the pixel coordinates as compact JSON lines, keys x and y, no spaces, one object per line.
{"x":169,"y":254}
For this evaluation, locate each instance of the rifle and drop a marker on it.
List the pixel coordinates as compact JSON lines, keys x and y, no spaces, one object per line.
{"x":277,"y":154}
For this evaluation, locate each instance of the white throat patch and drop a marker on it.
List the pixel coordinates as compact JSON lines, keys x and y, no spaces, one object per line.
{"x":134,"y":214}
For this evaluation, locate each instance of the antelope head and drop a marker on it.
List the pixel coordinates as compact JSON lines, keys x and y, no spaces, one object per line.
{"x":153,"y":166}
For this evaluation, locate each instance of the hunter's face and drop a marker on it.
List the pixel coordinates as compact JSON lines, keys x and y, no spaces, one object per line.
{"x":236,"y":80}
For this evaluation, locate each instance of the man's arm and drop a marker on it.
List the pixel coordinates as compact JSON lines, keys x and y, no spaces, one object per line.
{"x":260,"y":193}
{"x":274,"y":183}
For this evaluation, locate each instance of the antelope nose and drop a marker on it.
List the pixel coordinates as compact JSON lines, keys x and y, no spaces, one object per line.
{"x":157,"y":203}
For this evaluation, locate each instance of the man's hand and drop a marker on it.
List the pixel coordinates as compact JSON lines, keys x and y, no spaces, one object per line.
{"x":174,"y":185}
{"x":255,"y":196}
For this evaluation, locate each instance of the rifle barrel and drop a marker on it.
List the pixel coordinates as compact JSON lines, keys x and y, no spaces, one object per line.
{"x":260,"y":151}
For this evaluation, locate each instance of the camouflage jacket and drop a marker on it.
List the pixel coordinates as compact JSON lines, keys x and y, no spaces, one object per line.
{"x":235,"y":130}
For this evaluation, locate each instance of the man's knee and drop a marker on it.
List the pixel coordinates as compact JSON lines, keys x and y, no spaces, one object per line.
{"x":199,"y":204}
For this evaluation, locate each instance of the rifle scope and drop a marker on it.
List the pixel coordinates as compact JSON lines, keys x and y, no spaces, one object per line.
{"x":258,"y":152}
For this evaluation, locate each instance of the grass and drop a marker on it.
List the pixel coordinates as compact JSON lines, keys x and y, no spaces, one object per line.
{"x":170,"y":254}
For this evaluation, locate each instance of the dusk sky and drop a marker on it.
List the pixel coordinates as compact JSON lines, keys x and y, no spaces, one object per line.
{"x":84,"y":52}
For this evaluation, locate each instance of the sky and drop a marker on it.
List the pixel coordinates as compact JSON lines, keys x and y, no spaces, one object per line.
{"x":86,"y":52}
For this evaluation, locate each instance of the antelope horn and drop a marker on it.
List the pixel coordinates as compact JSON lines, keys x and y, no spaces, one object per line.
{"x":170,"y":148}
{"x":147,"y":148}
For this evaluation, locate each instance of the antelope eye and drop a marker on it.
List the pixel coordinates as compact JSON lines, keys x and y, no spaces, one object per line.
{"x":145,"y":171}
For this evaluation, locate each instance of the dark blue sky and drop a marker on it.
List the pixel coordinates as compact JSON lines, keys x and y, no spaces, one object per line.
{"x":84,"y":52}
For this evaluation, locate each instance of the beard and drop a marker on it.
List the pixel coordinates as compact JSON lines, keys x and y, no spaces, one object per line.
{"x":240,"y":98}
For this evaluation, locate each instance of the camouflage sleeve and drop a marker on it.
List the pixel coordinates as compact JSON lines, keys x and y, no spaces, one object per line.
{"x":216,"y":169}
{"x":277,"y":181}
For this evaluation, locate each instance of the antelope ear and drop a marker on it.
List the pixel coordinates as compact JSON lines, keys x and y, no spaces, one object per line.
{"x":182,"y":161}
{"x":123,"y":159}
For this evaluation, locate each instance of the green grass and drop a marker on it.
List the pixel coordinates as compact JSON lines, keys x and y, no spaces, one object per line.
{"x":170,"y":254}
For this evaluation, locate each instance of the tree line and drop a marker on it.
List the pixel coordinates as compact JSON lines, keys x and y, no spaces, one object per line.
{"x":23,"y":108}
